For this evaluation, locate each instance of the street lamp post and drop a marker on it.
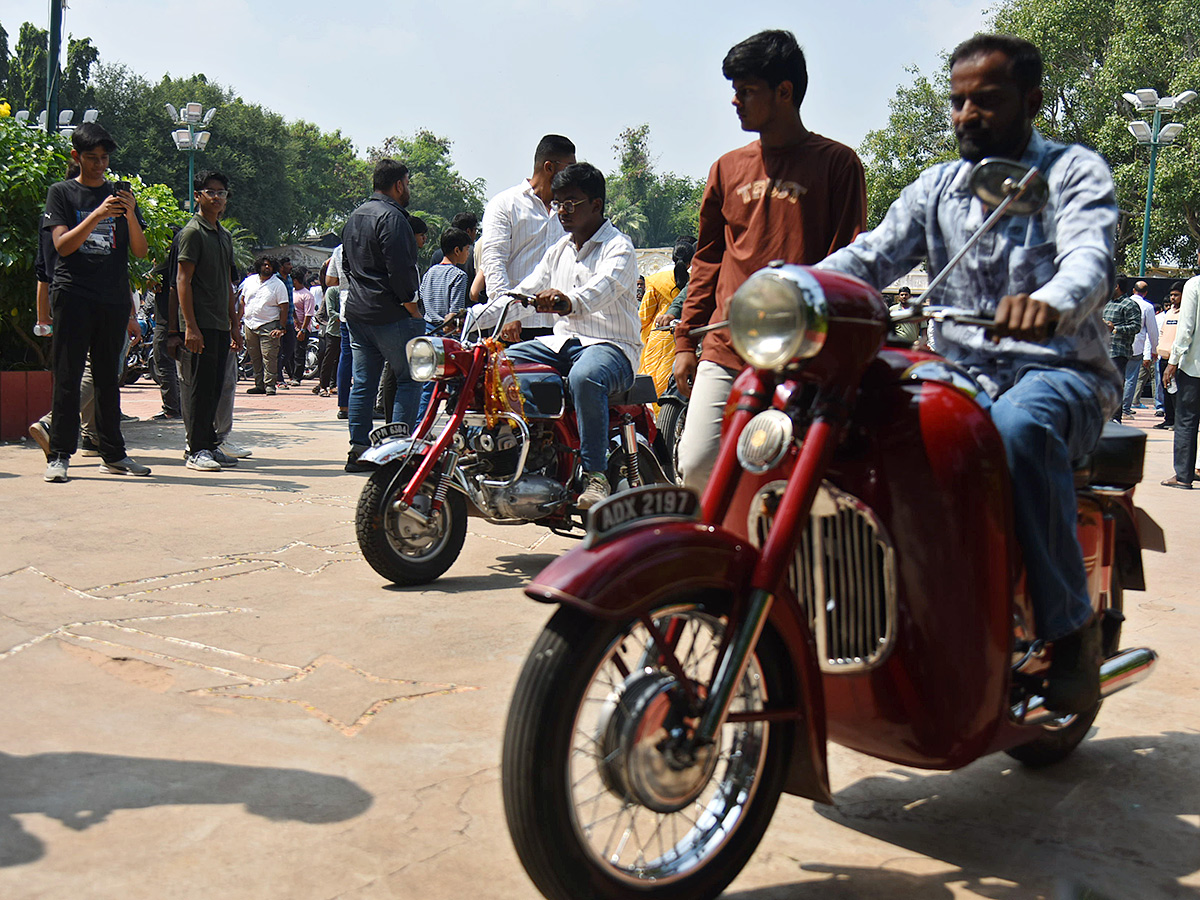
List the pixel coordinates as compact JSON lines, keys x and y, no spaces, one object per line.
{"x":191,"y":117}
{"x":1156,"y":135}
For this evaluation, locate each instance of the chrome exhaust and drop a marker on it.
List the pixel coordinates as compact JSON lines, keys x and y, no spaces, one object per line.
{"x":1118,"y":672}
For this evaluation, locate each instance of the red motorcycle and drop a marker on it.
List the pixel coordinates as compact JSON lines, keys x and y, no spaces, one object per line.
{"x":508,"y":452}
{"x":850,"y":574}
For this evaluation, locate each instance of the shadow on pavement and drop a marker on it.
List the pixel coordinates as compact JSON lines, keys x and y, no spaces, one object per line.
{"x":81,"y":789}
{"x":1109,"y":822}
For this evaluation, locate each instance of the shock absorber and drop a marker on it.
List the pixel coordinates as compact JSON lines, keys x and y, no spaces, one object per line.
{"x":629,"y":439}
{"x":449,"y":462}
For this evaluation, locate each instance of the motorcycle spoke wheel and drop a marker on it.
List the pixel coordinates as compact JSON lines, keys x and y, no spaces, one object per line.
{"x":611,"y":797}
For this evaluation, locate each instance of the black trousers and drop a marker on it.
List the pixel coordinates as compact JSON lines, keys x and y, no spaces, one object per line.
{"x":80,"y":326}
{"x":287,"y":354}
{"x":201,"y":376}
{"x":300,"y":357}
{"x":164,"y":366}
{"x":1168,"y":397}
{"x":1187,"y":421}
{"x":329,"y":360}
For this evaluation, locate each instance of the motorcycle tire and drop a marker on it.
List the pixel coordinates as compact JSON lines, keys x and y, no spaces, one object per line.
{"x":1060,"y":738}
{"x":557,"y":834}
{"x":407,"y":558}
{"x":669,"y":421}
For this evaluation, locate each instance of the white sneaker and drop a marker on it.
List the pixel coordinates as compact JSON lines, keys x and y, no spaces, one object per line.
{"x":203,"y":462}
{"x":56,"y":471}
{"x":236,"y":450}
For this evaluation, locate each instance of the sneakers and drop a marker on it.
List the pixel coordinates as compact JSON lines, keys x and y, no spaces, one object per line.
{"x":1161,"y":426}
{"x":352,"y":463}
{"x":324,"y":392}
{"x":41,"y":437}
{"x":224,"y":460}
{"x":165,"y":415}
{"x":87,"y":447}
{"x":270,"y":392}
{"x":202,"y":461}
{"x":235,"y":450}
{"x":256,"y":390}
{"x":595,"y":489}
{"x":1073,"y":682}
{"x":56,"y":470}
{"x":126,"y":466}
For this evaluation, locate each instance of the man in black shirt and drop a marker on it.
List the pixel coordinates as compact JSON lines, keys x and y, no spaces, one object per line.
{"x":379,"y":256}
{"x":94,"y":227}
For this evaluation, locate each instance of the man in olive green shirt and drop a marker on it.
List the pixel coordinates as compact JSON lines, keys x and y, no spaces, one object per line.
{"x":208,"y":314}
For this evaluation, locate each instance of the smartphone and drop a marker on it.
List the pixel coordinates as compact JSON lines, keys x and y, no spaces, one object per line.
{"x":123,"y":186}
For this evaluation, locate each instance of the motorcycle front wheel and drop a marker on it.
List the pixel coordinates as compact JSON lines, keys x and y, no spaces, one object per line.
{"x":404,"y":550}
{"x":598,"y":799}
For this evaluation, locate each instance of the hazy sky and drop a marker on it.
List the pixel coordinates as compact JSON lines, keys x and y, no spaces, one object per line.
{"x":495,"y":76}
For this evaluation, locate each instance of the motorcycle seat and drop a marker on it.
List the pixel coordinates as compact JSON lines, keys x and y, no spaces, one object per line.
{"x":1117,"y":460}
{"x":642,"y":391}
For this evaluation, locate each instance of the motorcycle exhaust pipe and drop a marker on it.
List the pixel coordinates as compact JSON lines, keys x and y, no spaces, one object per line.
{"x":1118,"y":672}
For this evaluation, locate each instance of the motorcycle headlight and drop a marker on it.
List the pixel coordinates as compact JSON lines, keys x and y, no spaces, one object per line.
{"x":777,"y":315}
{"x":426,"y":359}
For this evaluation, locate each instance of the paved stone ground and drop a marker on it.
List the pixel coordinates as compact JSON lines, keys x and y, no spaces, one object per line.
{"x":207,"y":693}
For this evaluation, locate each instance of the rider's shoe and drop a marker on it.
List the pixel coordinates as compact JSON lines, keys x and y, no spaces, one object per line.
{"x":595,"y":489}
{"x":352,"y":463}
{"x":1073,"y":682}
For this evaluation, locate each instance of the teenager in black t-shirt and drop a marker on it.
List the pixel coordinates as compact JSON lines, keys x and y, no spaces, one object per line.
{"x":94,"y":227}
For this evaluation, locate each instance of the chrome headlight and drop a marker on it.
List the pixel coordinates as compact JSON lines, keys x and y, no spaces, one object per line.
{"x":777,"y":315}
{"x":426,"y":358}
{"x":764,"y":441}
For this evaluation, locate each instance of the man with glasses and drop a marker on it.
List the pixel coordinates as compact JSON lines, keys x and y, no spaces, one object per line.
{"x":208,"y":312}
{"x":519,"y":227}
{"x":588,"y":282}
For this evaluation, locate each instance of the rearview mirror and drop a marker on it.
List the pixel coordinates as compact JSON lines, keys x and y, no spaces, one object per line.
{"x":995,"y":180}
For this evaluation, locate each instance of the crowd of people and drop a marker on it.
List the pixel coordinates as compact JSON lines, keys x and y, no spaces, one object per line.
{"x":1055,"y":364}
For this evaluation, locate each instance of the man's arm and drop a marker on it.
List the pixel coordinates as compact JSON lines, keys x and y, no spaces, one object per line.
{"x":614,"y":280}
{"x":706,"y":266}
{"x":496,"y":245}
{"x":67,"y":240}
{"x":137,"y":237}
{"x":1185,"y":331}
{"x":193,"y":340}
{"x":1128,"y":320}
{"x":43,"y":302}
{"x":399,"y":250}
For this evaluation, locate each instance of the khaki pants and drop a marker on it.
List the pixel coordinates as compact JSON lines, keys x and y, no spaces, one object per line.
{"x":264,"y":354}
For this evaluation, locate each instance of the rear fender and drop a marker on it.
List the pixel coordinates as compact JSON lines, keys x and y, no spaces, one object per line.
{"x":648,"y":564}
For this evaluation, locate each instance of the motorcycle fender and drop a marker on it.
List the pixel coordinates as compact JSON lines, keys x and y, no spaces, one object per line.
{"x":1128,"y":543}
{"x":384,"y":453}
{"x":630,"y":575}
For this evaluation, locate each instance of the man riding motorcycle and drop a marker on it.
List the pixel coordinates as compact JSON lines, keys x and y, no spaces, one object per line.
{"x":1040,"y":275}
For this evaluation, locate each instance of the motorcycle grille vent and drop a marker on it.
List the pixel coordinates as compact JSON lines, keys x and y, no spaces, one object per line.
{"x":842,"y":573}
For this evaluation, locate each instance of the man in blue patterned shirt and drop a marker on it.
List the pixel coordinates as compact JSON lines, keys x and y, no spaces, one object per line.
{"x":1050,"y":396}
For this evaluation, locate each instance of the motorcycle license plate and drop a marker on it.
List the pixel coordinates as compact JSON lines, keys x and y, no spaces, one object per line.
{"x":637,"y":506}
{"x":387,"y":432}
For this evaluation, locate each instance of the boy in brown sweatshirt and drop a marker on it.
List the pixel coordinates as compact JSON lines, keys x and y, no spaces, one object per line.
{"x":792,"y":195}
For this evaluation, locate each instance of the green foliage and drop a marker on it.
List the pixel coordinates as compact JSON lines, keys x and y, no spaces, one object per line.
{"x":439,"y":192}
{"x":1094,"y":50}
{"x":652,"y":208}
{"x":30,"y":161}
{"x":244,"y":243}
{"x":159,"y":211}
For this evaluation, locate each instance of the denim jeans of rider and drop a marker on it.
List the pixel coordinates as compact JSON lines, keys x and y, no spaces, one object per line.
{"x":372,"y":345}
{"x":593,"y":373}
{"x":201,"y":382}
{"x":1047,"y":420}
{"x":1187,"y":420}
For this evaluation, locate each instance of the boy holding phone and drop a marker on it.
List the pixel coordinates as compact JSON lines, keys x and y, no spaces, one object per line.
{"x":94,"y":225}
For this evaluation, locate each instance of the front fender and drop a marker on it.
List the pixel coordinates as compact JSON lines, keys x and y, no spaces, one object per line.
{"x":384,"y":453}
{"x":648,"y":564}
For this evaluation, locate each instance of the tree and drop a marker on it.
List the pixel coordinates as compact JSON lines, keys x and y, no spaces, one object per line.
{"x":439,"y":192}
{"x":652,"y":208}
{"x":1094,"y":51}
{"x":30,"y":161}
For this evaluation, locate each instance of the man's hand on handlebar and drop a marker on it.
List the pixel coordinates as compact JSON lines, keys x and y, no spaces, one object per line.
{"x":511,"y":332}
{"x":552,"y":300}
{"x":684,"y":369}
{"x":1022,"y":317}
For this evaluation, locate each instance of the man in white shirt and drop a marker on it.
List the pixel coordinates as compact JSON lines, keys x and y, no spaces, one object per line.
{"x":1147,"y":337}
{"x":264,"y":321}
{"x":518,"y":228}
{"x":1184,"y":368}
{"x":589,"y":278}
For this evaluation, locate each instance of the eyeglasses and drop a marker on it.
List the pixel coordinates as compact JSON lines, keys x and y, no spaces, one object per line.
{"x":567,"y":206}
{"x":215,"y":195}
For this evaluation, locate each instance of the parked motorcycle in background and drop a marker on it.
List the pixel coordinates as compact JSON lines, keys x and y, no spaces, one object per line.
{"x":507,"y":452}
{"x":850,"y":574}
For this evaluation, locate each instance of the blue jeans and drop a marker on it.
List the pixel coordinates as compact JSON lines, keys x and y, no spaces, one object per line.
{"x":371,"y":345}
{"x":593,"y":373}
{"x":1048,"y":419}
{"x":345,"y":368}
{"x":1132,"y":369}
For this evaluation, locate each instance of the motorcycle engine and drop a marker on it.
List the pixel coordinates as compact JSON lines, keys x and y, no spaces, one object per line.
{"x":532,"y":497}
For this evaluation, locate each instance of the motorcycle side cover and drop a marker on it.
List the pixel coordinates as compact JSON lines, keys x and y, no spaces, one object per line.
{"x":647,"y":564}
